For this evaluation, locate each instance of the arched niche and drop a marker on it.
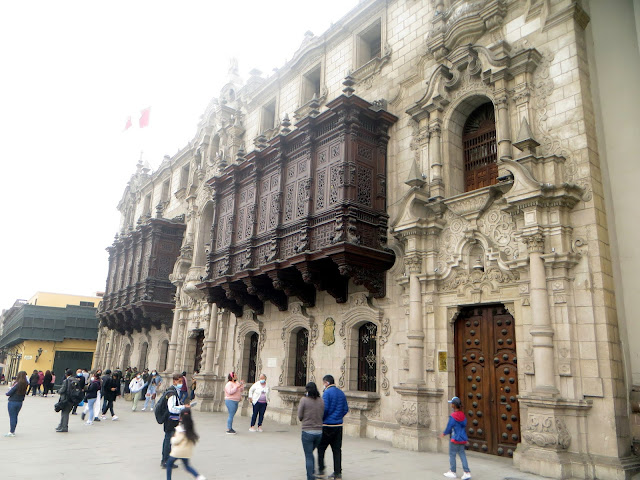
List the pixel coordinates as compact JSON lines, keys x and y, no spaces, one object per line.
{"x":203,"y":239}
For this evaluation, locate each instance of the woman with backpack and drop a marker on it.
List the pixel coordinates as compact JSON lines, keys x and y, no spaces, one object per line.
{"x":182,"y":443}
{"x":33,"y":383}
{"x":16,"y":395}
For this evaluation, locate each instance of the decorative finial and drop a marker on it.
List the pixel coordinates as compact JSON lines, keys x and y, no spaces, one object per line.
{"x":159,"y":210}
{"x":314,"y":106}
{"x":415,"y":177}
{"x":285,"y":124}
{"x":526,"y":143}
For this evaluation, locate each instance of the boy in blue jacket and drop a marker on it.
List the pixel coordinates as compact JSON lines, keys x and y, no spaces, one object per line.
{"x":457,"y":428}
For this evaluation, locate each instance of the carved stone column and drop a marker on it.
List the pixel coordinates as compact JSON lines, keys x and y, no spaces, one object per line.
{"x":437,"y":184}
{"x":173,"y":343}
{"x":209,"y":386}
{"x":504,"y":127}
{"x":109,"y":352}
{"x":541,"y":329}
{"x":415,"y":336}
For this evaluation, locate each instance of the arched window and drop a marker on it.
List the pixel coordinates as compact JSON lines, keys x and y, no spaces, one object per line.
{"x":142,"y":362}
{"x":367,"y":358}
{"x":302,"y":357}
{"x":252,"y":360}
{"x":126,"y":357}
{"x":164,"y":351}
{"x":480,"y":148}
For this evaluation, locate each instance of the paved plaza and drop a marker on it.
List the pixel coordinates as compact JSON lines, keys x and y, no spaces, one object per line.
{"x":130,"y":449}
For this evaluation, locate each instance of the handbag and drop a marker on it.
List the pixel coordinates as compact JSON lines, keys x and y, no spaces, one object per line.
{"x":59,"y":405}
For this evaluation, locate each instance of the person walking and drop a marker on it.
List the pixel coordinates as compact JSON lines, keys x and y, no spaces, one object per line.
{"x":110,"y":391}
{"x":152,"y":389}
{"x":259,"y":395}
{"x":16,"y":395}
{"x":457,"y":428}
{"x":33,"y":383}
{"x":40,"y":382}
{"x":182,"y":443}
{"x":174,"y":408}
{"x":135,"y":387}
{"x":184,"y":389}
{"x":65,"y":402}
{"x":335,"y":408}
{"x":53,"y":381}
{"x":82,"y":381}
{"x":48,"y":385}
{"x":90,"y":398}
{"x":128,"y":376}
{"x":310,"y":413}
{"x":232,"y":396}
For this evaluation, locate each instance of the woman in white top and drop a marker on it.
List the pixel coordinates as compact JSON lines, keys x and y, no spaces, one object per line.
{"x":135,"y":387}
{"x":259,"y":395}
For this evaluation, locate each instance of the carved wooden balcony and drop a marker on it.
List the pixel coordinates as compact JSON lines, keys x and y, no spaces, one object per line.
{"x":138,"y":293}
{"x":304,"y":212}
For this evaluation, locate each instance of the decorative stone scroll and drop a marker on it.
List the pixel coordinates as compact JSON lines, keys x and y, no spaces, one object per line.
{"x":547,"y":431}
{"x":413,"y":414}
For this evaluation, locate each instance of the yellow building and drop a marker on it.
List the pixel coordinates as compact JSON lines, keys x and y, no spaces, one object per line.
{"x":49,"y":332}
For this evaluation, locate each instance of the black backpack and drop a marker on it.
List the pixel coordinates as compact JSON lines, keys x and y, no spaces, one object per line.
{"x":162,"y":409}
{"x":76,"y":394}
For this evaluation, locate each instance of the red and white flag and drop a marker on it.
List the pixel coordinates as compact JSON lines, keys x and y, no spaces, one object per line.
{"x":144,"y":117}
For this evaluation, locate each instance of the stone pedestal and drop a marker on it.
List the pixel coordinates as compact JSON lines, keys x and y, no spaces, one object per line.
{"x":419,"y":406}
{"x":355,"y":423}
{"x":209,"y":392}
{"x":289,"y":400}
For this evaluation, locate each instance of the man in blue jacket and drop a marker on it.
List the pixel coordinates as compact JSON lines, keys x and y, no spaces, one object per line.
{"x":335,"y":408}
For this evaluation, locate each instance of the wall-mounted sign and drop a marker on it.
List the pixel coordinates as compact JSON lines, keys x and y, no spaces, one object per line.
{"x":272,"y":362}
{"x":442,"y":361}
{"x":28,"y":357}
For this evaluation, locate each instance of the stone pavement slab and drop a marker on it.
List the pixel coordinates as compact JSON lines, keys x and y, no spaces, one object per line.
{"x":130,"y":449}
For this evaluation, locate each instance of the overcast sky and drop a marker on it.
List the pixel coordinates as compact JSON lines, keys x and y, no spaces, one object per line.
{"x":71,"y":73}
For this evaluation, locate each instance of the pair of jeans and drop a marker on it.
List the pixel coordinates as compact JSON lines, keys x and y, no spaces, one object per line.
{"x":64,"y":417}
{"x":183,"y":396}
{"x":149,"y":399}
{"x":89,"y":405}
{"x":169,"y":427}
{"x":108,"y":405}
{"x":189,"y":468}
{"x":310,"y":441}
{"x":232,"y":406}
{"x":457,"y":449}
{"x":136,"y":397}
{"x":258,"y":412}
{"x":331,"y":436}
{"x":14,"y":410}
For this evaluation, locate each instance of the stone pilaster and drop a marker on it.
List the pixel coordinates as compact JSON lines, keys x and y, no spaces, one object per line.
{"x":173,"y":342}
{"x":436,"y":187}
{"x":419,"y":405}
{"x":209,"y":385}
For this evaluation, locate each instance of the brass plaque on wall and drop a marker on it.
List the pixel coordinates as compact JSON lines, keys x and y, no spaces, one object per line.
{"x":442,"y":361}
{"x":328,"y":335}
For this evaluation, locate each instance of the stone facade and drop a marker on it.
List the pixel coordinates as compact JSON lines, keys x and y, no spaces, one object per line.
{"x":503,"y":293}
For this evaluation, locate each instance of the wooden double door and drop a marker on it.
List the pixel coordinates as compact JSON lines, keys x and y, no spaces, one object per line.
{"x":487,"y":378}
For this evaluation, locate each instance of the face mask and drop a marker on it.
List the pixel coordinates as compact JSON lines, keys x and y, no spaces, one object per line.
{"x":93,"y":378}
{"x":79,"y":374}
{"x":263,"y":381}
{"x":138,"y":377}
{"x":153,"y":373}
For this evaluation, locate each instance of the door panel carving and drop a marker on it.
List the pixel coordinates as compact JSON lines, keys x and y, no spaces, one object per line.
{"x":487,"y":378}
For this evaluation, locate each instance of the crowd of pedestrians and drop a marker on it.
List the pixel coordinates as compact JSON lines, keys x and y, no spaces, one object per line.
{"x":321,"y":415}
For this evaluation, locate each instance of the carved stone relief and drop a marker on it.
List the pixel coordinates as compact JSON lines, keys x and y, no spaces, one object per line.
{"x":547,"y":431}
{"x":413,"y":414}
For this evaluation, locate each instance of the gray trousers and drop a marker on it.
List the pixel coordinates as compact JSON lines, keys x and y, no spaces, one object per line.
{"x":64,"y":417}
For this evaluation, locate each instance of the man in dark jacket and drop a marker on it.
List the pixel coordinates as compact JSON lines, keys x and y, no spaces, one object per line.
{"x":82,"y":381}
{"x":65,"y":400}
{"x":110,"y":390}
{"x":335,"y":408}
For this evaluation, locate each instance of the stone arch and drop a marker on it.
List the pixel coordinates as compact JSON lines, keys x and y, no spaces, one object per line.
{"x":246,"y":331}
{"x":294,"y":323}
{"x":203,"y":237}
{"x":454,"y":122}
{"x":126,"y":355}
{"x":360,"y":312}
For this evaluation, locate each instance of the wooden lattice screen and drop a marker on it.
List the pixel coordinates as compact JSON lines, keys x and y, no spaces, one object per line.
{"x":480,"y":148}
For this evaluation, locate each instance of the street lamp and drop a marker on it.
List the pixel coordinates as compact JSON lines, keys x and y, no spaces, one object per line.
{"x":39,"y":353}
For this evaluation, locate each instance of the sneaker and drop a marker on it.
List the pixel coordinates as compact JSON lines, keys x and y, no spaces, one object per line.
{"x":133,"y":409}
{"x":9,"y":434}
{"x":260,"y":429}
{"x":201,"y":477}
{"x":151,"y":409}
{"x":450,"y":474}
{"x":252,"y":429}
{"x":335,"y":476}
{"x":63,"y":430}
{"x":143,"y":409}
{"x":74,"y":413}
{"x":103,"y":417}
{"x":96,"y":419}
{"x":88,"y":423}
{"x":115,"y":417}
{"x":466,"y":475}
{"x":231,"y":432}
{"x":83,"y":415}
